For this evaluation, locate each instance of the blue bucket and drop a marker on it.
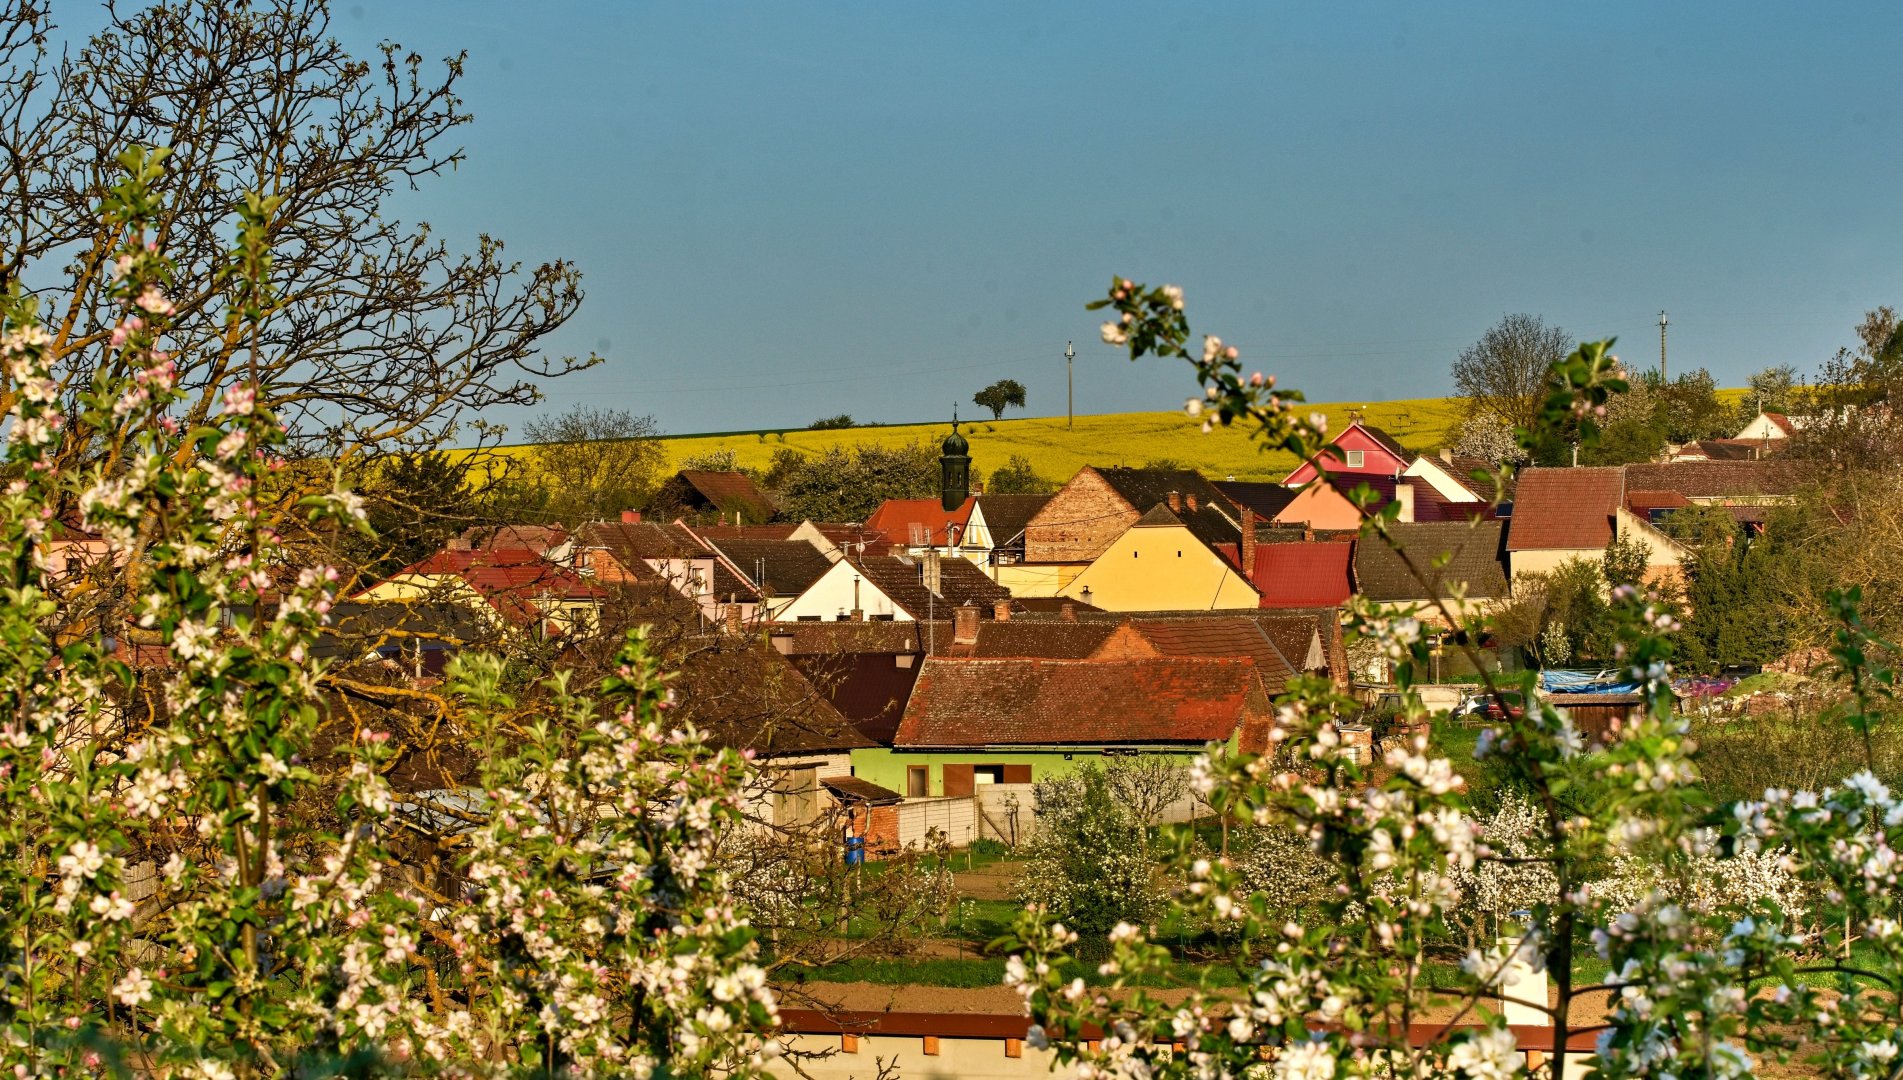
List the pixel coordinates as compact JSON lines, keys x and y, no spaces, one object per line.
{"x":855,"y":850}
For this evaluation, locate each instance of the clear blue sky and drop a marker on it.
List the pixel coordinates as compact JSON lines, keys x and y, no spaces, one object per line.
{"x":790,"y":210}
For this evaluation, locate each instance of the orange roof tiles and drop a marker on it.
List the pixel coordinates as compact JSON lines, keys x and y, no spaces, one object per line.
{"x":1562,"y":509}
{"x":973,"y":703}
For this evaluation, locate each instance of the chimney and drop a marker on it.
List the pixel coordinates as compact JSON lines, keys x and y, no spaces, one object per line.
{"x":1248,"y":542}
{"x":1176,"y":502}
{"x":1308,"y":535}
{"x":631,"y":517}
{"x":965,"y":624}
{"x":459,"y":543}
{"x":1447,"y":454}
{"x":929,"y":565}
{"x":1001,"y":611}
{"x":1191,"y":500}
{"x":733,"y":619}
{"x":1404,"y":494}
{"x":1067,"y":612}
{"x":858,"y":615}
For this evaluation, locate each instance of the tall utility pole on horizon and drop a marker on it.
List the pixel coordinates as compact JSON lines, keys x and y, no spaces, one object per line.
{"x":1070,"y":387}
{"x":1661,"y":346}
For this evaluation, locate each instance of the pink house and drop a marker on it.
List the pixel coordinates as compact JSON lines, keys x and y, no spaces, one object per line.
{"x":1361,"y":449}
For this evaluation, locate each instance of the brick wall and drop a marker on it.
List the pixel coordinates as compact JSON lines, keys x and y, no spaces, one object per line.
{"x":1079,"y":523}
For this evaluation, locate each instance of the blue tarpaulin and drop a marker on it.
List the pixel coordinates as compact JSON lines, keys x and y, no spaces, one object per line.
{"x":1608,"y":681}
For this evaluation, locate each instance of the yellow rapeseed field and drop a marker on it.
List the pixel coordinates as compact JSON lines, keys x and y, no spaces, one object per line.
{"x":1057,"y":452}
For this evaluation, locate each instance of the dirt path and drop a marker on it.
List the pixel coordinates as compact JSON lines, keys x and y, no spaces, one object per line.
{"x":991,"y":882}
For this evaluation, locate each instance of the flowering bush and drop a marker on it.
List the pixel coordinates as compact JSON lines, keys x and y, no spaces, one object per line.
{"x":1090,"y":862}
{"x":200,"y":841}
{"x":1711,"y":969}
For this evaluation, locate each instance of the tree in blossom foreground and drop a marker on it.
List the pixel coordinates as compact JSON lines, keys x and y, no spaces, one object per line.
{"x":196,"y":884}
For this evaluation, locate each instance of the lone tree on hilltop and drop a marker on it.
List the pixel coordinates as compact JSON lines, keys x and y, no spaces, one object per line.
{"x":999,"y":396}
{"x":1503,"y":375}
{"x":373,"y":335}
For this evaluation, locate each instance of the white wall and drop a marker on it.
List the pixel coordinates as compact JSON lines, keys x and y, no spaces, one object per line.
{"x":833,"y":593}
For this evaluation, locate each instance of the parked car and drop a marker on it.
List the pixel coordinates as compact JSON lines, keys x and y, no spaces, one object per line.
{"x":1515,"y":706}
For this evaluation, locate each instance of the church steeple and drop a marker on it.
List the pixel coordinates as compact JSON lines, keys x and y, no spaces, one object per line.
{"x":954,"y":468}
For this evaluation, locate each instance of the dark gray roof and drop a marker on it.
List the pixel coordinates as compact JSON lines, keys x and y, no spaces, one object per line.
{"x":1477,"y":560}
{"x":777,"y":567}
{"x":1058,"y":640}
{"x":1007,"y":515}
{"x":903,"y":580}
{"x":1266,"y":499}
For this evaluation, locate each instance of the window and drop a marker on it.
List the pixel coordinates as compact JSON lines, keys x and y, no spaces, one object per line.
{"x":881,"y":618}
{"x":987,"y":774}
{"x":918,"y":782}
{"x":1355,"y":459}
{"x":811,"y":618}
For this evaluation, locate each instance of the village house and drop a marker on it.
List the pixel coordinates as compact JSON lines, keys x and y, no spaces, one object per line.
{"x":1172,"y":557}
{"x":632,"y":550}
{"x":1097,"y":507}
{"x":516,"y":589}
{"x":1560,"y":515}
{"x":700,"y":496}
{"x":916,"y":526}
{"x":778,"y":570}
{"x":894,"y":588}
{"x":972,"y":722}
{"x":1453,"y":565}
{"x":1360,"y":450}
{"x":997,"y":527}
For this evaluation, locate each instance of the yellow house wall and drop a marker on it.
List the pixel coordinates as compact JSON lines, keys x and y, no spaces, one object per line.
{"x":1037,"y":579}
{"x":1547,"y":560}
{"x":1162,"y":568}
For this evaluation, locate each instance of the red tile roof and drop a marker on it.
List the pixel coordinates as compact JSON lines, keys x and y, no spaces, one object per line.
{"x":1304,"y":574}
{"x":911,"y":521}
{"x":1565,"y":508}
{"x":974,"y":703}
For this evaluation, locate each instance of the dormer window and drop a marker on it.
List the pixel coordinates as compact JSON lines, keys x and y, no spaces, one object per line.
{"x":1355,"y":458}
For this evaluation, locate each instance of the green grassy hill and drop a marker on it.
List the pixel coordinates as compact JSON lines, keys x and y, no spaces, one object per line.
{"x":1057,"y":452}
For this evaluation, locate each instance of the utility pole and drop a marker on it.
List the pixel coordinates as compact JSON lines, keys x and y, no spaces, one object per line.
{"x":1662,"y":347}
{"x":1070,"y":387}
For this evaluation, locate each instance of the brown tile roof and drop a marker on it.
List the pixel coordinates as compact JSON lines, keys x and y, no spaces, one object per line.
{"x":902,"y":580}
{"x":853,"y":789}
{"x":1477,"y":561}
{"x":1219,"y":637}
{"x":824,"y":638}
{"x":631,"y":542}
{"x":777,"y":531}
{"x":1297,"y":635}
{"x":1641,"y":501}
{"x":776,"y":567}
{"x":868,"y":688}
{"x":1566,"y":508}
{"x":750,"y":697}
{"x":1717,"y":479}
{"x":1050,"y":640}
{"x":973,"y":703}
{"x":723,"y":492}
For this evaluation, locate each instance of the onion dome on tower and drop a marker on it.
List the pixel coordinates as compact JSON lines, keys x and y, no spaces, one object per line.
{"x":954,"y":469}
